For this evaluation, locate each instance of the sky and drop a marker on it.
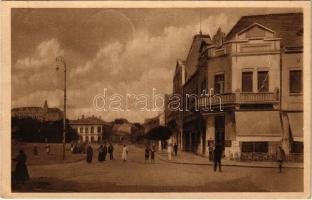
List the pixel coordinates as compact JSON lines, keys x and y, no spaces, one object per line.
{"x":125,"y":51}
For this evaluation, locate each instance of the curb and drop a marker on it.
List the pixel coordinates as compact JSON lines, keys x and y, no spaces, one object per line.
{"x":230,"y":165}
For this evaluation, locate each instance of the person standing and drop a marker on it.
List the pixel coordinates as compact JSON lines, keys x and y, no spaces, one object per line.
{"x":111,"y":151}
{"x":124,"y":154}
{"x":153,"y":153}
{"x":48,"y":149}
{"x":147,"y":154}
{"x":89,"y":153}
{"x":280,"y":157}
{"x":101,"y":154}
{"x":105,"y":151}
{"x":21,"y":173}
{"x":217,"y":157}
{"x":169,"y":151}
{"x":175,"y":147}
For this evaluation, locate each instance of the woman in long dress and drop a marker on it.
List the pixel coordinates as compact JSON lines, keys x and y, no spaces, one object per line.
{"x":21,"y":173}
{"x":101,"y":154}
{"x":89,"y":154}
{"x":124,"y":154}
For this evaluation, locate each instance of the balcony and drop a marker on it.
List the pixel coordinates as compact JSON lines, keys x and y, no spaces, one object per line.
{"x":232,"y":99}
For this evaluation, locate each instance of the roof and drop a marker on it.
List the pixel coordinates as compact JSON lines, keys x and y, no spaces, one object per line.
{"x":27,"y":109}
{"x":285,"y":25}
{"x":54,"y":110}
{"x":88,"y":121}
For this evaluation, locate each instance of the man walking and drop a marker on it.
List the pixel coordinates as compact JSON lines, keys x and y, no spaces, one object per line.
{"x":175,"y":147}
{"x":280,"y":157}
{"x":111,"y":151}
{"x":217,"y":157}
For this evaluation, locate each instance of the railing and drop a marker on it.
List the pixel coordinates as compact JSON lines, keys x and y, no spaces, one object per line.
{"x":238,"y":98}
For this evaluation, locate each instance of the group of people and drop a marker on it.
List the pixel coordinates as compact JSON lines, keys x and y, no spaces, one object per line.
{"x":103,"y":150}
{"x":149,"y":154}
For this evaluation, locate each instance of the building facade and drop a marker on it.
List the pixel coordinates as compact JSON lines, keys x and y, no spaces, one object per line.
{"x":40,"y":113}
{"x":243,"y":90}
{"x":89,"y":129}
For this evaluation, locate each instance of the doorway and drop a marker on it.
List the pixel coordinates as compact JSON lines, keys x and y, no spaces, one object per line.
{"x":219,"y":130}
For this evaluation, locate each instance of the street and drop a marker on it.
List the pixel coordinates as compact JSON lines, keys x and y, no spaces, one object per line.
{"x":137,"y":176}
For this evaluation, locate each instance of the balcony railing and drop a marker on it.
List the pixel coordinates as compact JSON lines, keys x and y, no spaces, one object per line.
{"x":238,"y":98}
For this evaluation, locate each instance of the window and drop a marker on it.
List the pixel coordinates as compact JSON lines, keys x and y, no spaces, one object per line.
{"x":257,"y":147}
{"x":247,"y":82}
{"x":297,"y":147}
{"x":99,"y":129}
{"x":247,"y":147}
{"x":295,"y":81}
{"x":219,"y":84}
{"x":86,"y":130}
{"x":263,"y":81}
{"x":92,"y":129}
{"x":81,"y":130}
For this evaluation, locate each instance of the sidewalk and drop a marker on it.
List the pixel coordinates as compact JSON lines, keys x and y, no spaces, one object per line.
{"x":193,"y":159}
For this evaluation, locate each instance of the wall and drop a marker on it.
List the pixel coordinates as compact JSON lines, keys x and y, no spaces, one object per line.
{"x":291,"y":61}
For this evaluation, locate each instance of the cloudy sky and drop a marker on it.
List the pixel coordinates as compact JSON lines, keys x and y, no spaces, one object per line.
{"x":123,"y":50}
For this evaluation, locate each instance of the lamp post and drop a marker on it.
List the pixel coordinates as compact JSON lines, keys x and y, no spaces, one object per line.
{"x":60,"y":62}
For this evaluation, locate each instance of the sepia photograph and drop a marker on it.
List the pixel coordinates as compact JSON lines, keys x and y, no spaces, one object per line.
{"x":157,"y":100}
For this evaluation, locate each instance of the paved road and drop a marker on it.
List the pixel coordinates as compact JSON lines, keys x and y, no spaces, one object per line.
{"x":137,"y":176}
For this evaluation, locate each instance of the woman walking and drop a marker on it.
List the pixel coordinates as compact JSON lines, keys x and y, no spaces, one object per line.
{"x":169,"y":151}
{"x":147,"y":154}
{"x":89,"y":154}
{"x":101,"y":154}
{"x":124,"y":154}
{"x":153,"y":154}
{"x":21,"y":173}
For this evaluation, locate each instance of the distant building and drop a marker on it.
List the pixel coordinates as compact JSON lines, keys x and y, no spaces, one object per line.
{"x":40,"y":113}
{"x":90,"y":129}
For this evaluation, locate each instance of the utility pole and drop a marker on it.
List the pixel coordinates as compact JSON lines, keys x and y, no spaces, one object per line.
{"x":60,"y":62}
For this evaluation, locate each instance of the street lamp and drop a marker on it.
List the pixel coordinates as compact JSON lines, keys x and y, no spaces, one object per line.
{"x":60,"y":62}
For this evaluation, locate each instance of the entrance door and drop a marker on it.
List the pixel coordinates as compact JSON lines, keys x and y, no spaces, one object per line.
{"x":219,"y":130}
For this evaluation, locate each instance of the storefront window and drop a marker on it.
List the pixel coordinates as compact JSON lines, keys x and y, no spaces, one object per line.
{"x":297,"y":147}
{"x":257,"y":147}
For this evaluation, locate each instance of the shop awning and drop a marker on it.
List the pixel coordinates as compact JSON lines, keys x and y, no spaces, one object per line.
{"x":258,"y":123}
{"x":296,"y":125}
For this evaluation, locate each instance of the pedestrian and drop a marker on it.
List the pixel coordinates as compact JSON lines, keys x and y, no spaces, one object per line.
{"x":105,"y":151}
{"x":217,"y":156}
{"x":124,"y":154}
{"x":72,"y":147}
{"x":175,"y":147}
{"x":111,"y":151}
{"x":101,"y":154}
{"x":147,"y":154}
{"x":153,"y":153}
{"x":89,"y":153}
{"x":280,"y":157}
{"x":169,"y":151}
{"x":21,"y":173}
{"x":35,"y":150}
{"x":48,"y":149}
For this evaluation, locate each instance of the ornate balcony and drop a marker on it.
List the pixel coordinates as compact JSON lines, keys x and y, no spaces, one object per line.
{"x":232,"y":99}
